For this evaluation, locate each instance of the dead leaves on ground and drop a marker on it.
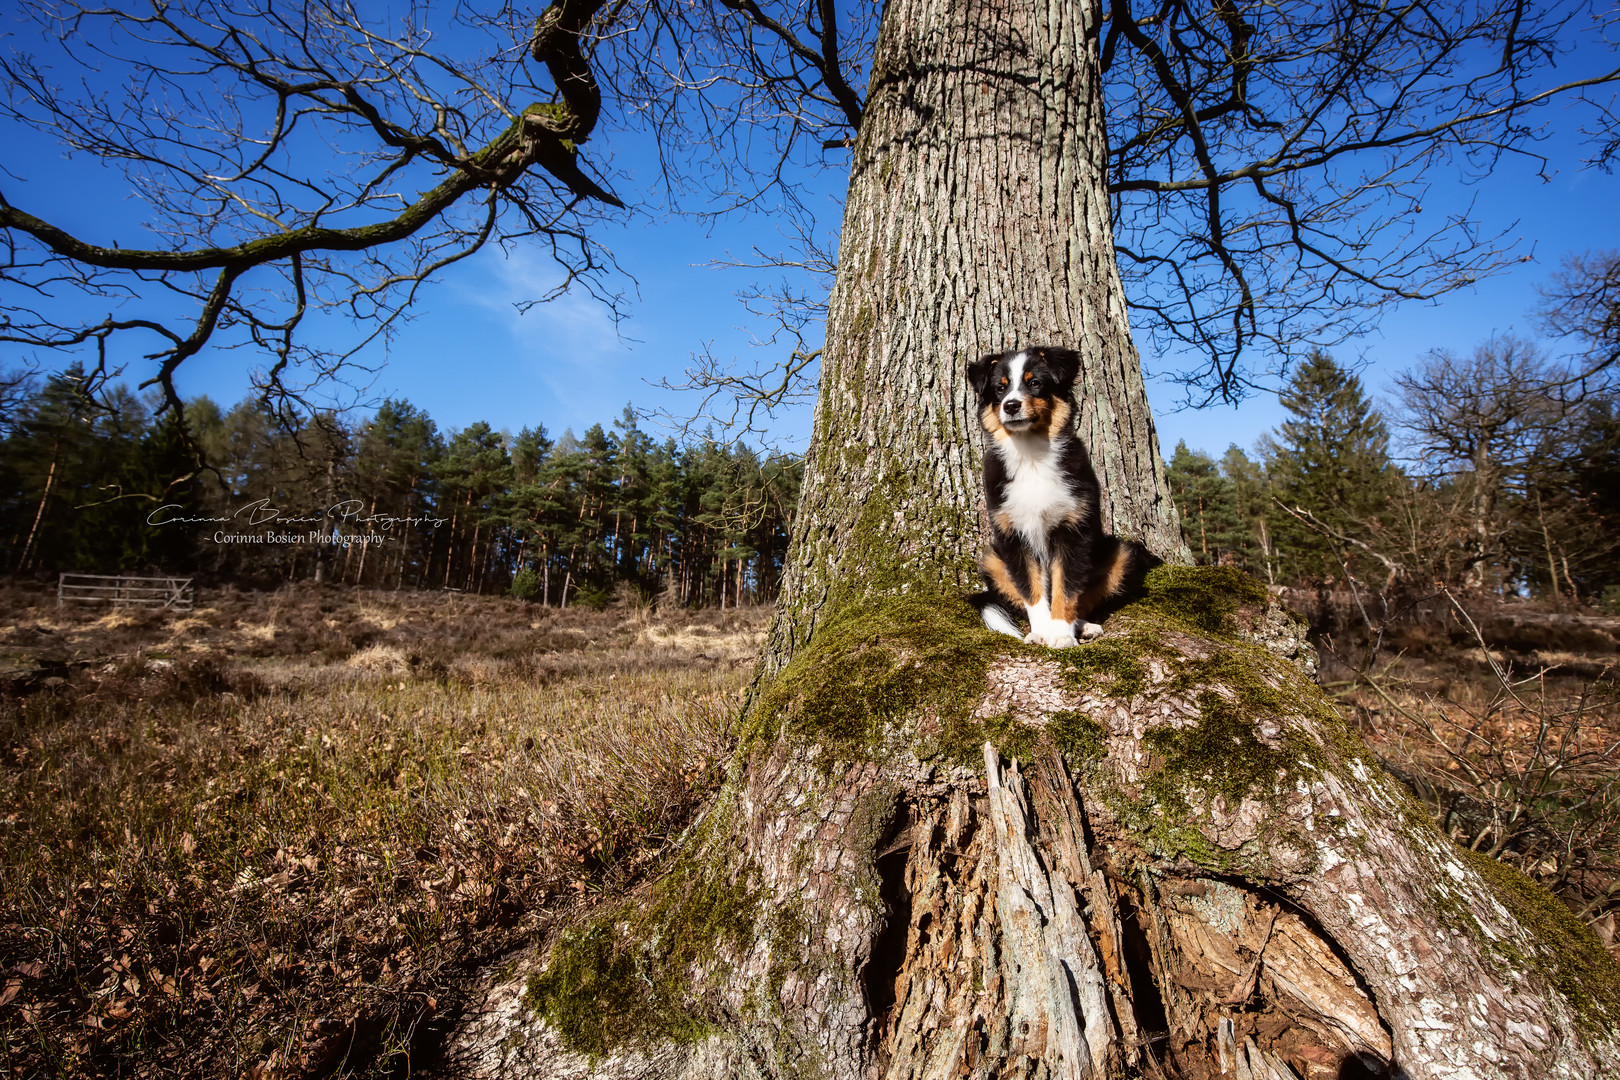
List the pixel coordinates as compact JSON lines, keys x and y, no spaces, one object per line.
{"x":293,"y":883}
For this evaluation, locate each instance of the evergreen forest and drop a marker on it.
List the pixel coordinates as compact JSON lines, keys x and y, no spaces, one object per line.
{"x":1495,"y":475}
{"x":1507,"y":483}
{"x":106,"y":484}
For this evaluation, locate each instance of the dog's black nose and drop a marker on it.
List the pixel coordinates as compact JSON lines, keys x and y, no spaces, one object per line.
{"x":1012,"y":406}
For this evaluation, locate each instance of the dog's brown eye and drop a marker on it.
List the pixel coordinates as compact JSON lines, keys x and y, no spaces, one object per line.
{"x":1003,"y":383}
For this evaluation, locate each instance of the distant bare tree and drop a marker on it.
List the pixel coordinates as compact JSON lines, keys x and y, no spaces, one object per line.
{"x":1481,"y":420}
{"x":1583,"y":302}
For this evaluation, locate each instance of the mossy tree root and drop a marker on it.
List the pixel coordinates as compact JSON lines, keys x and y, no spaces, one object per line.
{"x":1193,"y":868}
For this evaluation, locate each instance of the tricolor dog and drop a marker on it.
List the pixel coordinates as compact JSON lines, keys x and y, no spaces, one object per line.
{"x":1048,"y":556}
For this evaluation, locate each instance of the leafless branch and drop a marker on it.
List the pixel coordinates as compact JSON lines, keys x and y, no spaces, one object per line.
{"x":291,"y":159}
{"x":1271,"y":162}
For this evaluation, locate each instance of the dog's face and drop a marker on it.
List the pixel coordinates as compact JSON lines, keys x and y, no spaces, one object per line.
{"x":1029,"y":390}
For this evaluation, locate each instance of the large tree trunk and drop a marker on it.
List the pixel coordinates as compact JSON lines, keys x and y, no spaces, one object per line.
{"x":944,"y":853}
{"x":977,"y":220}
{"x":1194,"y":869}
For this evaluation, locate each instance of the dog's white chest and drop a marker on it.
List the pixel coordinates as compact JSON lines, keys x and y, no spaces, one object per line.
{"x":1035,"y":499}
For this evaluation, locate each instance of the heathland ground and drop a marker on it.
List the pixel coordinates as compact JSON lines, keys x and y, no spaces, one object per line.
{"x":279,"y":834}
{"x":285,"y":833}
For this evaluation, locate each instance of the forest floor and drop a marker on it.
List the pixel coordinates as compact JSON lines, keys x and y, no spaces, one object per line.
{"x":1504,"y":720}
{"x":280,"y":834}
{"x":283,"y":834}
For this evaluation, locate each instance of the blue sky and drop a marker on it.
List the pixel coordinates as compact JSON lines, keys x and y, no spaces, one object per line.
{"x":564,"y":365}
{"x":1574,"y":209}
{"x":469,"y":354}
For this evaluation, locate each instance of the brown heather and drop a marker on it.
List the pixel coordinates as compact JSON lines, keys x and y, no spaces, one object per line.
{"x":278,"y":836}
{"x":282,"y":835}
{"x":1504,"y":720}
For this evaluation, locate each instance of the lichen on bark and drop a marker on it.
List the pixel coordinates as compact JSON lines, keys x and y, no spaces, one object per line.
{"x":850,"y":866}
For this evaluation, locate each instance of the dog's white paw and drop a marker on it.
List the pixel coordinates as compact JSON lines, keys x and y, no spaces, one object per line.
{"x":1055,"y":637}
{"x":1089,"y":631}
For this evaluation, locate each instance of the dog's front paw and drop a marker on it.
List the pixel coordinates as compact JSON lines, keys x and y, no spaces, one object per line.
{"x":1056,"y":637}
{"x":1089,"y":631}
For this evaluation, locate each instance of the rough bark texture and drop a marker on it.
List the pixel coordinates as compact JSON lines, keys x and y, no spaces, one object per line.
{"x":1161,"y":854}
{"x":977,"y":220}
{"x":941,"y":852}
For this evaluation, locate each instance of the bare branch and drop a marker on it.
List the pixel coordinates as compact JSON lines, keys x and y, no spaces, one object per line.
{"x":435,"y":156}
{"x":1271,"y":162}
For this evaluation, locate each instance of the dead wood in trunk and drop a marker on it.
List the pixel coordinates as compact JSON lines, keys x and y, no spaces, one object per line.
{"x":944,"y":854}
{"x":1194,"y":869}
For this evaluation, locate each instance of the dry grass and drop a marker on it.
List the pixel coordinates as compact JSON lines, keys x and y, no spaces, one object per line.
{"x":276,"y":836}
{"x":1505,"y":721}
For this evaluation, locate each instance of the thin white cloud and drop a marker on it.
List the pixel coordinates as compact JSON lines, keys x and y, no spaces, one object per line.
{"x":567,"y":344}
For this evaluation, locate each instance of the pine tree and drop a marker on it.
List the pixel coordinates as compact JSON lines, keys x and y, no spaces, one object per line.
{"x":1330,"y":461}
{"x":397,"y":451}
{"x":64,"y":447}
{"x":631,"y":507}
{"x":1566,"y":534}
{"x":474,"y":470}
{"x":1257,"y":514}
{"x":1596,"y":487}
{"x":1204,"y":499}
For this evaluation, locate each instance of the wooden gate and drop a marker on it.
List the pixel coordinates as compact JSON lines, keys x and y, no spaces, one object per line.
{"x":123,"y":591}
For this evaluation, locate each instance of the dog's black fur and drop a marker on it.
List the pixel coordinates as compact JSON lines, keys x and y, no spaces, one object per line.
{"x":1049,"y":558}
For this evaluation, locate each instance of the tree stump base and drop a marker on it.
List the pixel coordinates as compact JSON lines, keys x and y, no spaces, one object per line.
{"x":942,"y":853}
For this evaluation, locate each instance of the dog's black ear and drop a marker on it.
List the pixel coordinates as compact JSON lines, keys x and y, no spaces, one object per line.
{"x":978,"y":372}
{"x":1065,"y":365}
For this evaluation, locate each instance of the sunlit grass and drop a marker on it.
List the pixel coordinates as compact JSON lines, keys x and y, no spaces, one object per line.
{"x":219,"y":865}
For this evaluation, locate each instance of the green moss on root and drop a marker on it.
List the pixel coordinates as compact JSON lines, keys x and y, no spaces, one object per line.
{"x":1223,"y":755}
{"x":1257,"y":680}
{"x":1203,"y":599}
{"x":1568,"y":954}
{"x":592,"y":993}
{"x":875,"y":663}
{"x":1112,"y":665}
{"x":1083,"y":741}
{"x":624,"y":977}
{"x":962,"y":738}
{"x":1236,"y":686}
{"x":919,"y":657}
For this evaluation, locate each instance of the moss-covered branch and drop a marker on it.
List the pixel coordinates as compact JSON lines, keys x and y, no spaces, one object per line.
{"x":524,"y":143}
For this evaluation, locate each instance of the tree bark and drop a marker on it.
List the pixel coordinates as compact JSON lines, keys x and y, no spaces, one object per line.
{"x":977,"y":220}
{"x":1190,"y":868}
{"x":940,"y":852}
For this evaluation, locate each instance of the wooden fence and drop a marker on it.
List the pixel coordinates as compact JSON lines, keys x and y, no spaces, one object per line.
{"x":123,"y":591}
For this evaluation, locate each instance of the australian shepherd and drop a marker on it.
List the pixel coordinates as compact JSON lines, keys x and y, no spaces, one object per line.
{"x":1048,"y":556}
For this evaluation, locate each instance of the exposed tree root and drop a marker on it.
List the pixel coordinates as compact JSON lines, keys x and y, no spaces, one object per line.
{"x":1193,"y":872}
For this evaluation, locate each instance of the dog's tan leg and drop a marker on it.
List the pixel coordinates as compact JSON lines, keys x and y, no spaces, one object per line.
{"x":1037,"y":584}
{"x":1002,"y":580}
{"x":1112,"y":580}
{"x":1058,"y":629}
